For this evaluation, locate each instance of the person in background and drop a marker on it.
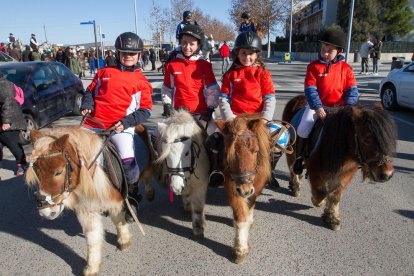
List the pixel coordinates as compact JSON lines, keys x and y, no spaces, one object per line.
{"x":11,"y":39}
{"x":225,"y":55}
{"x":33,"y":42}
{"x":26,"y":54}
{"x":3,"y":48}
{"x":12,"y":122}
{"x":187,"y":16}
{"x":376,"y":55}
{"x":15,"y":53}
{"x":35,"y":55}
{"x":92,"y":61}
{"x":74,"y":64}
{"x":152,"y":58}
{"x":110,"y":60}
{"x":364,"y":52}
{"x":247,"y":24}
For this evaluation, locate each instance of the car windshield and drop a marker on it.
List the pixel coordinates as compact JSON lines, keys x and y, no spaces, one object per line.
{"x":4,"y":57}
{"x":16,"y":75}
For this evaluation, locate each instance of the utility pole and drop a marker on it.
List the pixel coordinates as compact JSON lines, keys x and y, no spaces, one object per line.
{"x":135,"y":12}
{"x":348,"y":38}
{"x":44,"y":29}
{"x":291,"y":27}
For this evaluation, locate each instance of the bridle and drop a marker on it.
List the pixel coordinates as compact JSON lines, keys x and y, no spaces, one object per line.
{"x":242,"y":178}
{"x":195,"y":153}
{"x":361,"y":158}
{"x":47,"y":201}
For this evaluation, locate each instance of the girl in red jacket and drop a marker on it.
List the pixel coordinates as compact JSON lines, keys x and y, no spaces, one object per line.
{"x":189,"y":82}
{"x":247,"y":86}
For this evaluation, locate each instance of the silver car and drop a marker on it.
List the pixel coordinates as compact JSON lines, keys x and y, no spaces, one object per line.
{"x":397,"y":89}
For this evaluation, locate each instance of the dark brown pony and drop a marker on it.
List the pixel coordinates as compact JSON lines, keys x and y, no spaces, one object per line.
{"x":353,"y":137}
{"x":246,"y":170}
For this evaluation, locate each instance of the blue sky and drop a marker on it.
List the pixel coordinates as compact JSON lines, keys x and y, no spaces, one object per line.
{"x":62,"y":18}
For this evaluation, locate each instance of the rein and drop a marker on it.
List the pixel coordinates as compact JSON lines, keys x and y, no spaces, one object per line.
{"x":241,"y":177}
{"x":362,"y":160}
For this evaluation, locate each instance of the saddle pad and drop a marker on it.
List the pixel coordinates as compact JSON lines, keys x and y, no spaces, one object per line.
{"x":114,"y":170}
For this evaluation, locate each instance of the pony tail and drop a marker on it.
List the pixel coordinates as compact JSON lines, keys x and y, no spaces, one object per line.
{"x":31,"y":177}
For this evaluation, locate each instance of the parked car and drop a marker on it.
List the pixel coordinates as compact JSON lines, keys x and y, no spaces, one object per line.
{"x":51,"y":91}
{"x":6,"y":58}
{"x":397,"y":89}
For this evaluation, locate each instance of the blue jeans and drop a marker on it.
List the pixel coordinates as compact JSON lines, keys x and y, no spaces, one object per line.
{"x":227,"y":61}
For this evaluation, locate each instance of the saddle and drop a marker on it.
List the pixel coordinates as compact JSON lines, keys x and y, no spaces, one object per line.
{"x":113,"y":168}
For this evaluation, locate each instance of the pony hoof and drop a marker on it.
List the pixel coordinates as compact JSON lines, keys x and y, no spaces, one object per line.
{"x":274,"y":183}
{"x":332,"y":223}
{"x":199,"y":237}
{"x":294,"y":187}
{"x":124,"y":246}
{"x":89,"y":271}
{"x":239,"y":258}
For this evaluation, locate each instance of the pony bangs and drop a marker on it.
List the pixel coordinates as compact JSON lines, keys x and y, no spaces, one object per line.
{"x":31,"y":178}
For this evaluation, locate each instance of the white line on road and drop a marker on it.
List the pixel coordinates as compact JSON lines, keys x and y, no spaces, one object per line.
{"x":404,"y":121}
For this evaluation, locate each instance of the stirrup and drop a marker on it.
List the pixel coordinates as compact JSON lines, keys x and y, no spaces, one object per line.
{"x":213,"y":176}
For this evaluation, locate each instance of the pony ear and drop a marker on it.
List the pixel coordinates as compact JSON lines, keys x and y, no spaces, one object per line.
{"x":35,"y":135}
{"x":357,"y":113}
{"x":378,"y":106}
{"x":254,"y":124}
{"x":62,"y":142}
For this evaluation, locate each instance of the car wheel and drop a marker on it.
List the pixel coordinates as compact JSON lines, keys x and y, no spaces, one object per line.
{"x":78,"y":102}
{"x":389,"y":97}
{"x":25,"y":134}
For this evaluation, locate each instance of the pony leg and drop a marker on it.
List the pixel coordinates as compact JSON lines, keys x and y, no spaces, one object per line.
{"x":92,"y":228}
{"x":198,"y":201}
{"x":295,"y":180}
{"x":243,"y":220}
{"x":123,"y":234}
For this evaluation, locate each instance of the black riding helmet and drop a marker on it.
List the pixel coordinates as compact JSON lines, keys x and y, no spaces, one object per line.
{"x":245,"y":15}
{"x":187,"y":14}
{"x":193,"y":30}
{"x":129,"y":42}
{"x":248,"y":40}
{"x":335,"y":37}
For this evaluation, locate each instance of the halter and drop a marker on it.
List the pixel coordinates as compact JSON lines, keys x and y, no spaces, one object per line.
{"x":195,"y":153}
{"x":240,"y":178}
{"x":47,"y":201}
{"x":363,"y":161}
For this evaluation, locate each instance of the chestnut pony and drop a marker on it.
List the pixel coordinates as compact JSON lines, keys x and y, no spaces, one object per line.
{"x":352,"y":137}
{"x":60,"y":161}
{"x":247,"y":170}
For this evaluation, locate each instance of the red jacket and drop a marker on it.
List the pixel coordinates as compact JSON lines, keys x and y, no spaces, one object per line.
{"x":247,"y":88}
{"x":118,"y":93}
{"x":225,"y":50}
{"x":190,"y":83}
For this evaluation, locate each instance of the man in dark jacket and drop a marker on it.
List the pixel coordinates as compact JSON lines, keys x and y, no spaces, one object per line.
{"x":12,"y":121}
{"x":110,"y":60}
{"x":26,"y":54}
{"x":152,"y":58}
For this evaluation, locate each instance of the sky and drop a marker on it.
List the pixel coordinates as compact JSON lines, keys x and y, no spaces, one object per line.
{"x":62,"y":19}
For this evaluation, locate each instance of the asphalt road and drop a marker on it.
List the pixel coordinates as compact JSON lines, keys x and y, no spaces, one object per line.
{"x":288,"y":237}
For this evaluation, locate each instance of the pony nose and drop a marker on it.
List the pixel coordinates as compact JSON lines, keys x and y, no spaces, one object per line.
{"x":385,"y":177}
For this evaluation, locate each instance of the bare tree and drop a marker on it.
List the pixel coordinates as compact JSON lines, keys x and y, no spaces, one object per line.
{"x":159,"y":23}
{"x":265,"y":14}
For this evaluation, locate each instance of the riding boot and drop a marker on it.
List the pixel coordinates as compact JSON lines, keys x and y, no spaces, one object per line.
{"x":300,"y":153}
{"x":215,"y":146}
{"x":275,"y":158}
{"x":167,"y":110}
{"x":132,"y":172}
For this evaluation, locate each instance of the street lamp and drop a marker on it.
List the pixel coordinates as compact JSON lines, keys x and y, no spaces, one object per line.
{"x":92,"y":22}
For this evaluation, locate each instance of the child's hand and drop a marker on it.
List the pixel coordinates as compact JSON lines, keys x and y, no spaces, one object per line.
{"x":321,"y":112}
{"x":86,"y":112}
{"x":118,"y":127}
{"x":5,"y":126}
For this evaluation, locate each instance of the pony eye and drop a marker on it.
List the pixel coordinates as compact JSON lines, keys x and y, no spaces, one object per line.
{"x":187,"y":153}
{"x":58,"y":173}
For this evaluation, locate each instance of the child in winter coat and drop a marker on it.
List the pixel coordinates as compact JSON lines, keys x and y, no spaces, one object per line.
{"x":120,"y":97}
{"x":329,"y":81}
{"x":189,"y":82}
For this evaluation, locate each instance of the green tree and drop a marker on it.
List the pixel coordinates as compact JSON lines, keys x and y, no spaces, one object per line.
{"x":376,"y":18}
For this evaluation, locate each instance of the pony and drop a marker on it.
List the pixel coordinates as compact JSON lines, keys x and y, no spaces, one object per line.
{"x":352,"y":137}
{"x":60,"y":169}
{"x":246,"y":169}
{"x":181,"y":150}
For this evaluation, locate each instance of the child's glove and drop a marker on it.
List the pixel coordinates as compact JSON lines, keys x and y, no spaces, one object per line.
{"x":206,"y":116}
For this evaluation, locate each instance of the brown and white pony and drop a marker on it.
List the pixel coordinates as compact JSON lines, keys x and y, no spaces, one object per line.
{"x":353,"y":137}
{"x":59,"y":169}
{"x":247,"y":169}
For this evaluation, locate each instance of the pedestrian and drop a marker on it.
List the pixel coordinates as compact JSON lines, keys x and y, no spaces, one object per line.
{"x":60,"y":56}
{"x":364,"y":52}
{"x":12,"y":123}
{"x":246,"y":24}
{"x":163,"y":58}
{"x":329,"y":82}
{"x":110,"y":60}
{"x":152,"y":58}
{"x":145,"y":58}
{"x":35,"y":55}
{"x":120,"y":98}
{"x":26,"y":54}
{"x":225,"y":55}
{"x":92,"y":63}
{"x":33,"y":42}
{"x":189,"y":83}
{"x":187,"y":16}
{"x":376,"y":56}
{"x":74,"y":63}
{"x":15,"y":53}
{"x":3,"y":48}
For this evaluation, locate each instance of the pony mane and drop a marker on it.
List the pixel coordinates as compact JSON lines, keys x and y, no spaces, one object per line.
{"x":87,"y":145}
{"x":180,"y":124}
{"x":339,"y":129}
{"x":240,"y":125}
